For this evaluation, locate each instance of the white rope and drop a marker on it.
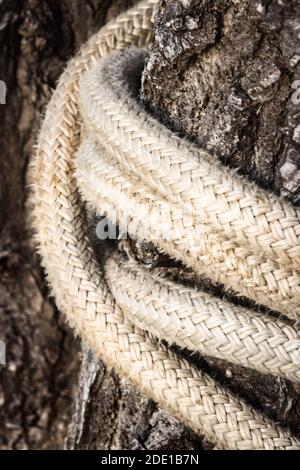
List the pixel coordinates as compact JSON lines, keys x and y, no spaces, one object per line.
{"x":174,"y":174}
{"x":200,"y":322}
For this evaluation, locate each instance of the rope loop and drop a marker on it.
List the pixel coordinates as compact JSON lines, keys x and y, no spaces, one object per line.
{"x":98,"y":144}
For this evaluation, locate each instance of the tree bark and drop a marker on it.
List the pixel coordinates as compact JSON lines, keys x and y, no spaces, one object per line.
{"x":250,"y":122}
{"x":223,"y":74}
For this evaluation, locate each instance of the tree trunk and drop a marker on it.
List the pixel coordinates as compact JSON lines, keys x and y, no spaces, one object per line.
{"x":220,"y":73}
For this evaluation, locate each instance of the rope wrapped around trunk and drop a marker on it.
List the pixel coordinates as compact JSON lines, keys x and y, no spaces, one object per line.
{"x":98,"y":142}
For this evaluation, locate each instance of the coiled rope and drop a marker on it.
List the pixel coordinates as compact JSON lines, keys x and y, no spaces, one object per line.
{"x":96,"y":138}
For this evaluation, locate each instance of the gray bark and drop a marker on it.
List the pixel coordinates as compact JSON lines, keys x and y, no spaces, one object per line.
{"x":110,"y":414}
{"x":232,"y":67}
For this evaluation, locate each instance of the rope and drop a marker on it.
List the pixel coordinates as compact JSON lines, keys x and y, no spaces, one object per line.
{"x":188,"y":179}
{"x":200,"y":322}
{"x":110,"y":172}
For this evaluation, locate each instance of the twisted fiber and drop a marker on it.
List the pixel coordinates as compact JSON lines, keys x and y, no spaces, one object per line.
{"x":79,"y":286}
{"x":105,"y":99}
{"x":131,"y":203}
{"x":184,"y":173}
{"x":201,"y":322}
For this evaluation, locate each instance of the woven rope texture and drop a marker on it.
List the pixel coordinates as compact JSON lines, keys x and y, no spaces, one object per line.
{"x":97,"y":141}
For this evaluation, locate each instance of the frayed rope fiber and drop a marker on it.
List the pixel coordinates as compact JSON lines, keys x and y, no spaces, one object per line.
{"x":97,"y":144}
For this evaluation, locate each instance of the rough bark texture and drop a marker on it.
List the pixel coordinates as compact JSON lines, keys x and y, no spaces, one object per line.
{"x":232,"y":66}
{"x":110,"y":414}
{"x":249,"y":122}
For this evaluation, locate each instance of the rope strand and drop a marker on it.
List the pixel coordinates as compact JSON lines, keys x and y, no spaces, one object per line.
{"x":201,"y":322}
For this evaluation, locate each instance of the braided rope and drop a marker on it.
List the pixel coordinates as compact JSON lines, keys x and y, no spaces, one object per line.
{"x":81,"y":290}
{"x":200,"y":322}
{"x":140,"y":145}
{"x":131,"y":203}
